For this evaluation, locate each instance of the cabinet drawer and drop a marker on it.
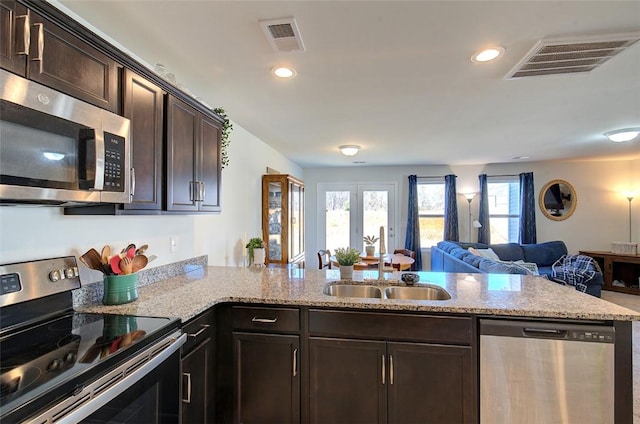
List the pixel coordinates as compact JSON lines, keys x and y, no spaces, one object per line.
{"x":389,"y":326}
{"x":198,"y":330}
{"x":266,"y":319}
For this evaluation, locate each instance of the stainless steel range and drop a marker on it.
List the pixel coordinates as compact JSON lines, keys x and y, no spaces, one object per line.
{"x":60,"y":366}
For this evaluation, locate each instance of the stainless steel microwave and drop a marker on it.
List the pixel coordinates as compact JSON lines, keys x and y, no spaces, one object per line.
{"x":58,"y":150}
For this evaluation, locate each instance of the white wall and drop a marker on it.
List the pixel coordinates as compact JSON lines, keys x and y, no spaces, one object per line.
{"x":601,"y":216}
{"x":28,"y":233}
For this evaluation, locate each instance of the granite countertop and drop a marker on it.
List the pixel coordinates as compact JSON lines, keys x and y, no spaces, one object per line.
{"x":187,"y":295}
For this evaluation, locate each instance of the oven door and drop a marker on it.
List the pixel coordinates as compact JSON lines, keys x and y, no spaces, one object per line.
{"x":144,"y":389}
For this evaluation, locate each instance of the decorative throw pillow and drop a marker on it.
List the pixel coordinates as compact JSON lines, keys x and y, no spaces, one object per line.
{"x":485,"y":253}
{"x":529,"y":267}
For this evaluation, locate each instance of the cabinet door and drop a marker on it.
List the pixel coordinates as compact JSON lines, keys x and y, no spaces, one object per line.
{"x":144,"y":106}
{"x":210,"y":167}
{"x":198,"y":385}
{"x":267,"y":381}
{"x":181,"y":161}
{"x":347,"y":381}
{"x":14,"y":28}
{"x":430,"y":383}
{"x":60,"y":60}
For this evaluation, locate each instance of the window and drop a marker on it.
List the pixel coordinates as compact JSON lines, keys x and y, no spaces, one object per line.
{"x":504,"y":210}
{"x":431,"y":213}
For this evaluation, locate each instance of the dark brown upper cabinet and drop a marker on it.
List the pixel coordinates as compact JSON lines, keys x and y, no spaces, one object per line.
{"x":144,"y":106}
{"x":193,"y":159}
{"x":40,"y":50}
{"x":14,"y":28}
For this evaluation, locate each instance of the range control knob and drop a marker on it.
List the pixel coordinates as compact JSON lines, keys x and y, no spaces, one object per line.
{"x":54,"y":275}
{"x":70,"y":273}
{"x":69,"y":357}
{"x":55,"y":365}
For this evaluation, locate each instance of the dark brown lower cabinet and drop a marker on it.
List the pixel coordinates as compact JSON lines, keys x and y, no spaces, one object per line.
{"x":388,"y":381}
{"x":198,"y":370}
{"x":266,"y":378}
{"x":197,"y":391}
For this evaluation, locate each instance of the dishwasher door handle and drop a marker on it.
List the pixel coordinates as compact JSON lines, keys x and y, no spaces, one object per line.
{"x":547,"y":333}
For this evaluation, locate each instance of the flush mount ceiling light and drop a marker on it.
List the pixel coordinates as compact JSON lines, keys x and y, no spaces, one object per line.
{"x":349,"y":149}
{"x":283,"y":72}
{"x":488,"y":54}
{"x":625,"y":134}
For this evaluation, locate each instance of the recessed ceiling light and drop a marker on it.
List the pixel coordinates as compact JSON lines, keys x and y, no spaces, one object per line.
{"x":625,"y":134}
{"x":521,"y":157}
{"x":283,"y":72}
{"x":349,"y":149}
{"x":486,"y":55}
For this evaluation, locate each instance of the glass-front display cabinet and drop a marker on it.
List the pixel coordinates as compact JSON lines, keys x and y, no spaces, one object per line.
{"x":283,"y":219}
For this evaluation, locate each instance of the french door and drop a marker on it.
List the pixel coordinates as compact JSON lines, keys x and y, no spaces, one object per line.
{"x":347,"y":212}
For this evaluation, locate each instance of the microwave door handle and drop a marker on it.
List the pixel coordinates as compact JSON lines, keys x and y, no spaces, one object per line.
{"x":98,"y":160}
{"x":133,"y":182}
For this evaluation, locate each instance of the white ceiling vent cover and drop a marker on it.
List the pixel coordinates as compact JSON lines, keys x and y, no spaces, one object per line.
{"x":283,"y":35}
{"x":562,"y":56}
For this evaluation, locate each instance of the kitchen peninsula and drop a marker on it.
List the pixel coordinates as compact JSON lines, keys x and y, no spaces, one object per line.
{"x":271,"y":321}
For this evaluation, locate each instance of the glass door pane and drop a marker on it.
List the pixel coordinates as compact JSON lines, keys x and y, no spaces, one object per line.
{"x":352,"y":211}
{"x":275,"y":221}
{"x":375,"y":214}
{"x":295,"y":245}
{"x":337,"y":219}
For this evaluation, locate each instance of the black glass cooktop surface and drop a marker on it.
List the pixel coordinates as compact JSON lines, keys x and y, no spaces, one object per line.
{"x":50,"y":360}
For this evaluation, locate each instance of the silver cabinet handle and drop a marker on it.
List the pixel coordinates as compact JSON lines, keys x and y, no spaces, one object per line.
{"x":390,"y":369}
{"x":188,"y":375}
{"x":196,"y":334}
{"x":40,"y":43}
{"x":295,"y":362}
{"x":384,"y":369}
{"x":264,"y":320}
{"x":202,"y":191}
{"x":26,"y":35}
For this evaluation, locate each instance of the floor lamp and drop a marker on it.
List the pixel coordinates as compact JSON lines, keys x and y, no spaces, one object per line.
{"x":469,"y":197}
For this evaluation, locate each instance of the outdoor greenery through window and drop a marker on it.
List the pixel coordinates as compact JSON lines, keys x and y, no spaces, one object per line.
{"x":504,"y":210}
{"x":431,"y":212}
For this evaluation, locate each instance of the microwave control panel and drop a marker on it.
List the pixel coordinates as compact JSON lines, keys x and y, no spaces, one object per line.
{"x":113,"y":162}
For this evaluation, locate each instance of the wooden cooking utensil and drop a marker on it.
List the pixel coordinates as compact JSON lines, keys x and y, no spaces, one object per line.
{"x":92,"y":259}
{"x":139,"y":262}
{"x":106,"y":252}
{"x":126,"y":265}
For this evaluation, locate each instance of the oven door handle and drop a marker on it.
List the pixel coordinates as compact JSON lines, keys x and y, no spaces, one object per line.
{"x":80,"y":408}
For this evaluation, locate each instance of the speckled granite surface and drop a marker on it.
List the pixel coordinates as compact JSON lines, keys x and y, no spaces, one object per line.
{"x":187,"y":295}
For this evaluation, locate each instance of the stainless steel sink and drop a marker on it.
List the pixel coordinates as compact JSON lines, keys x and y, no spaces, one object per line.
{"x":424,"y":292}
{"x":353,"y":290}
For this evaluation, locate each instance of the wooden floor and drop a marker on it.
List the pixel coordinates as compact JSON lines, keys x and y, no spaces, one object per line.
{"x":630,"y":301}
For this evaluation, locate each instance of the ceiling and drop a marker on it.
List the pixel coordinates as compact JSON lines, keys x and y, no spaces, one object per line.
{"x":394,"y":77}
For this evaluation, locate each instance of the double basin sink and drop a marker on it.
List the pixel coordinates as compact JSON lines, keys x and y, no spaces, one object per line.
{"x":421,"y":292}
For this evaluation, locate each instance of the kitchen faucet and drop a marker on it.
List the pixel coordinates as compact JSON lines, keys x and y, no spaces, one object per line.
{"x":381,"y":253}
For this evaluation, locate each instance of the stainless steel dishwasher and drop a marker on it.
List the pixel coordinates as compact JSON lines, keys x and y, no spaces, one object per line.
{"x":543,"y":372}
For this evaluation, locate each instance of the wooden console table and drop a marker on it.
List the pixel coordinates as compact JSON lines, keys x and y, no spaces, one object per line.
{"x":623,"y":269}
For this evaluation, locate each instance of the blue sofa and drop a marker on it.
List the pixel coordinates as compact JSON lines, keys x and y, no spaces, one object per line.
{"x":448,"y":256}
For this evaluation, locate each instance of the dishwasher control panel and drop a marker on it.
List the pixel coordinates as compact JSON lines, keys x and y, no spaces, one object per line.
{"x":592,"y":336}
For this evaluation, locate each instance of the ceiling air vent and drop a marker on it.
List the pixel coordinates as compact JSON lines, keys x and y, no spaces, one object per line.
{"x":283,"y":35}
{"x":551,"y":57}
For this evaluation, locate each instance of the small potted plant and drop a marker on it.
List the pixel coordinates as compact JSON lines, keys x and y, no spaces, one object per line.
{"x":370,"y":241}
{"x":256,"y":251}
{"x":346,"y":257}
